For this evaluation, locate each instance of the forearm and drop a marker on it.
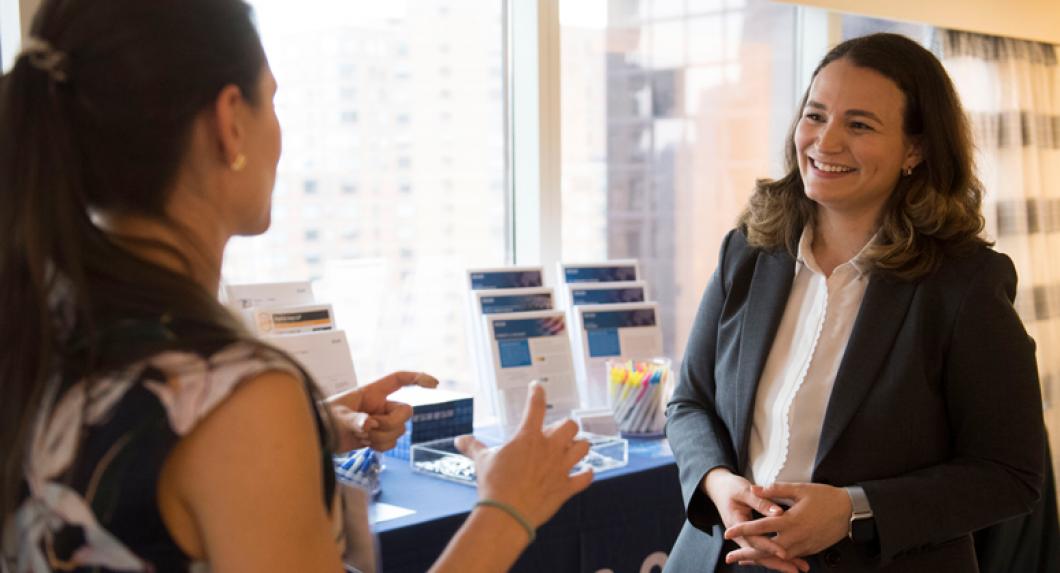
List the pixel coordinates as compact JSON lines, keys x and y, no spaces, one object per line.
{"x":698,"y":440}
{"x":490,"y":540}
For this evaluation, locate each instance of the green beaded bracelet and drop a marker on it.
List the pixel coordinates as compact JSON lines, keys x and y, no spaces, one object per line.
{"x":512,"y":512}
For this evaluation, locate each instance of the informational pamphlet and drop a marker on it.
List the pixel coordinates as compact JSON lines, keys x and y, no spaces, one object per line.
{"x":325,"y":355}
{"x":505,"y":277}
{"x":628,"y":330}
{"x":497,"y":301}
{"x":269,"y":321}
{"x":606,"y":293}
{"x":599,"y":272}
{"x":244,"y":296}
{"x":527,"y":347}
{"x":494,"y":279}
{"x":588,"y":274}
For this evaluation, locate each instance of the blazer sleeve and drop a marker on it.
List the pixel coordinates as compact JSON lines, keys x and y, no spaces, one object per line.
{"x":699,"y":439}
{"x":990,"y":381}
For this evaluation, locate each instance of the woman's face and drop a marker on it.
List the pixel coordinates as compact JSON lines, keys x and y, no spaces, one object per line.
{"x":263,"y":154}
{"x":850,"y":140}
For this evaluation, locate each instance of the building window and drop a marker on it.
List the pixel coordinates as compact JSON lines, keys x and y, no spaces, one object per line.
{"x":670,"y":111}
{"x":368,"y":54}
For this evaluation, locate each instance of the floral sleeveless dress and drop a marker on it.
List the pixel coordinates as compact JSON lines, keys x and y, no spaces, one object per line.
{"x":97,"y":452}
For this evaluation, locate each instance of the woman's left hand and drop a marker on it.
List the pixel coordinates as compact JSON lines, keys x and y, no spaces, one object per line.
{"x":365,"y":417}
{"x":818,"y":518}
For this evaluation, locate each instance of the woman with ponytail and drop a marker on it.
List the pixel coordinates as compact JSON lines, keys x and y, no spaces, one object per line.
{"x":141,"y":428}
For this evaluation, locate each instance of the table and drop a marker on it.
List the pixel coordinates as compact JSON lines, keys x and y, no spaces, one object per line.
{"x":625,"y":522}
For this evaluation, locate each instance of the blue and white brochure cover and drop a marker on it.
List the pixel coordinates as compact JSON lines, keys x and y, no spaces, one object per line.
{"x":491,"y":278}
{"x":612,"y":331}
{"x":505,"y":277}
{"x":526,"y":347}
{"x":623,"y":270}
{"x":607,"y":293}
{"x":497,"y":301}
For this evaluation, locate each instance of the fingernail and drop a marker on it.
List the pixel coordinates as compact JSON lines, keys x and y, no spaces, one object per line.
{"x":774,"y":509}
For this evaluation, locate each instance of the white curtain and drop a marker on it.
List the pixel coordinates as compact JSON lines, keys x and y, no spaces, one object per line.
{"x":1011,"y":91}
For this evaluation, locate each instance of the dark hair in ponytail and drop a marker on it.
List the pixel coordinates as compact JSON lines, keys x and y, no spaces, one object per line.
{"x":108,"y":131}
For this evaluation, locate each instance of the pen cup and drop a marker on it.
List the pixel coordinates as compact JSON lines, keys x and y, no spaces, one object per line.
{"x":637,"y":391}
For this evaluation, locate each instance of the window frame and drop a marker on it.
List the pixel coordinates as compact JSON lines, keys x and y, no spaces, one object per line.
{"x":533,"y":83}
{"x":12,"y":28}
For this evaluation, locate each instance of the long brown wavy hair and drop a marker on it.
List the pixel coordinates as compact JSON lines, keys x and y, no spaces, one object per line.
{"x":106,"y":128}
{"x":934,"y":211}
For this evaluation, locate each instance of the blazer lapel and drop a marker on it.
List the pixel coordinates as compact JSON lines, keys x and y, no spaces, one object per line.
{"x":880,"y":318}
{"x":770,"y":287}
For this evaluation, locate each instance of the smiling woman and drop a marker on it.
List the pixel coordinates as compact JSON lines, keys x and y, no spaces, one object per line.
{"x":878,"y":108}
{"x":856,"y":372}
{"x":851,"y":143}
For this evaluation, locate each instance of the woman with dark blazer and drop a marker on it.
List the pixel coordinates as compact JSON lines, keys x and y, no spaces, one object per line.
{"x":858,"y":393}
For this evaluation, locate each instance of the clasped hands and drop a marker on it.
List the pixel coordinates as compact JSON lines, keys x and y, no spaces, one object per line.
{"x":366,"y":417}
{"x":816,"y":519}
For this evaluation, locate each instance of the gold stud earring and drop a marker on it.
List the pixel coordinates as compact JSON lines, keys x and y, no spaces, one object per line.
{"x":238,"y":163}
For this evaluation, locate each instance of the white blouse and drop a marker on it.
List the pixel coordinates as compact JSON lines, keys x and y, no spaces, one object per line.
{"x":801,"y":368}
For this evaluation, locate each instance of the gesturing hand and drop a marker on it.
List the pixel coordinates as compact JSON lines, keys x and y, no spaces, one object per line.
{"x":817,"y":520}
{"x":366,"y":417}
{"x":735,"y":499}
{"x":532,"y":471}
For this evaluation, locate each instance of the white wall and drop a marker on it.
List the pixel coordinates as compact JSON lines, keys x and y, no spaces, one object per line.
{"x":1026,"y":19}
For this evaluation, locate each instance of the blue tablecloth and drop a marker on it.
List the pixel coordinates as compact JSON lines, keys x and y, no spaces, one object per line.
{"x":626,"y":521}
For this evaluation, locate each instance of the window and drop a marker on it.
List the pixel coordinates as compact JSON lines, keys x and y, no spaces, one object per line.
{"x":359,"y":227}
{"x":10,"y":33}
{"x":670,"y":111}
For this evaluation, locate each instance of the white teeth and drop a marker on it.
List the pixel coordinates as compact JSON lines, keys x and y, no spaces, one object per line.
{"x":831,"y":168}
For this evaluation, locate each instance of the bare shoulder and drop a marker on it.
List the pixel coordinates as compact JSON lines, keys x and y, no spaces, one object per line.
{"x":244,"y":490}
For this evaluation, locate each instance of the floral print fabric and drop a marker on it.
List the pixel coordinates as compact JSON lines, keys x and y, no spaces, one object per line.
{"x":97,"y":451}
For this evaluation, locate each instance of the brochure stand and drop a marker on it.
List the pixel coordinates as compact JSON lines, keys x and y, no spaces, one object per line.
{"x":286,"y":316}
{"x":621,"y":270}
{"x":526,"y":347}
{"x":493,"y":279}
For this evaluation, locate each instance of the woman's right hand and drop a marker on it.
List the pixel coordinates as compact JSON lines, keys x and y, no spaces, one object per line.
{"x":532,"y":471}
{"x":734,"y":498}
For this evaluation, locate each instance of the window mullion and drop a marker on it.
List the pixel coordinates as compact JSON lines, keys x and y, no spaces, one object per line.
{"x":535,"y":132}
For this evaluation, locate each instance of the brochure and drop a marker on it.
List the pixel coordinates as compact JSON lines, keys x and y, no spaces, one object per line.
{"x":244,"y":296}
{"x":491,"y":279}
{"x":268,"y":321}
{"x":325,"y":355}
{"x":527,"y":347}
{"x":628,"y":330}
{"x":606,"y":293}
{"x":600,"y":272}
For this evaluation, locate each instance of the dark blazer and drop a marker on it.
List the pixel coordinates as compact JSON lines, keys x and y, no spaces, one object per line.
{"x":935,"y":412}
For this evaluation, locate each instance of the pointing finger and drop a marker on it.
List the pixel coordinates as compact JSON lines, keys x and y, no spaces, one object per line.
{"x":534,"y":415}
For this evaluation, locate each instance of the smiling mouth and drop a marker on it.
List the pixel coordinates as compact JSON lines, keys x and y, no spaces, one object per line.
{"x":829,"y":167}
